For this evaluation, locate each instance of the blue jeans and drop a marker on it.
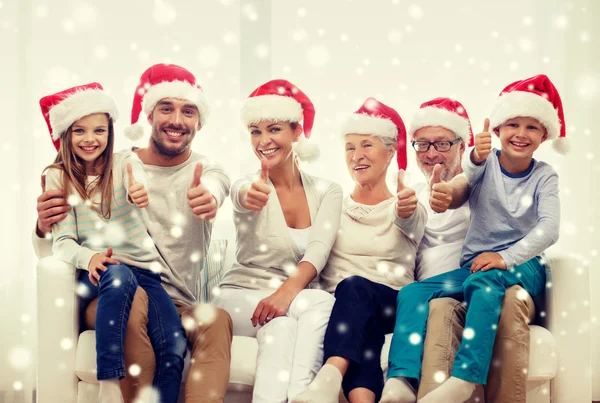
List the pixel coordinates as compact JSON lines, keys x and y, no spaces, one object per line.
{"x":115,"y":292}
{"x":483,"y":292}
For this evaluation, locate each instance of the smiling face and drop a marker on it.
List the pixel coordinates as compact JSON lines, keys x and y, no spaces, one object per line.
{"x":450,"y":160}
{"x":174,"y":125}
{"x":274,"y":141}
{"x":367,"y":158}
{"x":89,"y":138}
{"x":521,"y":136}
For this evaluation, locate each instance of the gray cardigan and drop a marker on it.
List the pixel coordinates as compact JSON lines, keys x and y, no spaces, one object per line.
{"x":265,"y":251}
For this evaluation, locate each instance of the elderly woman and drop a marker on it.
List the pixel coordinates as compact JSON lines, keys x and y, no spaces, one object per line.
{"x":286,"y":223}
{"x":373,"y":256}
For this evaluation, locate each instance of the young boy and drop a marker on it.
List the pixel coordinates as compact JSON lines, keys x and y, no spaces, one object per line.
{"x":515,"y":214}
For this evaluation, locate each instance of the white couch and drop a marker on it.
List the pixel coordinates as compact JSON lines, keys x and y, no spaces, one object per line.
{"x":559,"y":372}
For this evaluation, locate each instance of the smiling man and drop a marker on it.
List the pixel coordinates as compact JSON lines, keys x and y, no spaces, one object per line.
{"x":185,"y":191}
{"x":441,"y":131}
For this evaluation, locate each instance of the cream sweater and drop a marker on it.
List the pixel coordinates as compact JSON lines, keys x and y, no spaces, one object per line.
{"x":266,"y":254}
{"x":373,"y":242}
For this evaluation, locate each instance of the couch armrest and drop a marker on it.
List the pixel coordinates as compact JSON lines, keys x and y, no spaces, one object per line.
{"x":56,"y":331}
{"x":568,"y":314}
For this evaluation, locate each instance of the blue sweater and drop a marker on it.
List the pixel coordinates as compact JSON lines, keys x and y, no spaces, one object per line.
{"x":516,"y":216}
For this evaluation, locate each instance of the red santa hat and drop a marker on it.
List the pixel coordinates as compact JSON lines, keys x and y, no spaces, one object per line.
{"x":377,"y":119}
{"x":62,"y":109}
{"x":534,"y":97}
{"x":164,"y":81}
{"x":444,"y":112}
{"x":282,"y":101}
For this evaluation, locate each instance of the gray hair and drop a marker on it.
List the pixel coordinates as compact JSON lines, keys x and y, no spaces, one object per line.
{"x":388,"y":141}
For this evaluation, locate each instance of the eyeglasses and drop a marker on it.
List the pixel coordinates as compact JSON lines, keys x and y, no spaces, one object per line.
{"x":440,"y":146}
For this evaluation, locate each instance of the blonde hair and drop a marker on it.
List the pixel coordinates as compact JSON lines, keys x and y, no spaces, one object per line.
{"x":73,"y":175}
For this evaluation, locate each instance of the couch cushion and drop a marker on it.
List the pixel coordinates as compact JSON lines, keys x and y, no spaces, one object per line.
{"x":243,"y":363}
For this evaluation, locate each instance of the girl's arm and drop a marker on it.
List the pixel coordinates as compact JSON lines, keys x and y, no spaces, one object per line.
{"x":65,"y":244}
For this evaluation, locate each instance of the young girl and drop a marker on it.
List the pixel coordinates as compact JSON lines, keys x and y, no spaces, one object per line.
{"x":104,"y":235}
{"x":286,"y":223}
{"x":515,"y":216}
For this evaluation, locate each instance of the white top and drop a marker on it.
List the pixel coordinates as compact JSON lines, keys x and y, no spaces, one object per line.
{"x":300,"y":238}
{"x":440,"y":248}
{"x":373,"y":242}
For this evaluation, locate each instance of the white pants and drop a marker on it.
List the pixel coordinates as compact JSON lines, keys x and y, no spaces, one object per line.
{"x":290,"y":347}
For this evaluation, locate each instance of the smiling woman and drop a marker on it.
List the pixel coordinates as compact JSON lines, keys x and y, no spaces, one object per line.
{"x":283,"y":240}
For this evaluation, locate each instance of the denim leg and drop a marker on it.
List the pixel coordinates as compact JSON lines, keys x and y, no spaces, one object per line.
{"x":406,"y":351}
{"x":116,"y":288}
{"x":86,"y":293}
{"x":166,"y":335}
{"x":484,"y":292}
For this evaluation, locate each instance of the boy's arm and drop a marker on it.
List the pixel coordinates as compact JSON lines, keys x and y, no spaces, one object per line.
{"x":545,"y":232}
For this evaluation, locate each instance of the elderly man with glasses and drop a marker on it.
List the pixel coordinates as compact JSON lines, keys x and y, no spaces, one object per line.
{"x":440,"y":132}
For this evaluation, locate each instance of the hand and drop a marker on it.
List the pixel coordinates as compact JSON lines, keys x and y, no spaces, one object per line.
{"x":407,"y":198}
{"x":52,"y":207}
{"x":203,"y":204}
{"x":137,"y":192}
{"x":440,"y":195}
{"x":275,"y":305}
{"x":97,"y":265}
{"x":483,"y":144}
{"x":258,"y":195}
{"x":486,"y":261}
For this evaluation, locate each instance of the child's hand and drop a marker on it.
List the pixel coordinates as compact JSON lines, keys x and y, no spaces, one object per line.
{"x":406,"y":202}
{"x":258,"y":195}
{"x":203,"y":204}
{"x":487,"y":261}
{"x":483,"y":144}
{"x":440,"y":195}
{"x":137,"y":192}
{"x":97,"y":265}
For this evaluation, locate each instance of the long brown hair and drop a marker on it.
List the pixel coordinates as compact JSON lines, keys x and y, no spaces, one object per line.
{"x":74,"y":175}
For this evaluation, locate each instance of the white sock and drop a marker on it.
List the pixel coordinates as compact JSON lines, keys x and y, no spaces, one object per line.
{"x":453,"y":390}
{"x":325,"y":388}
{"x":110,"y":392}
{"x":398,"y":390}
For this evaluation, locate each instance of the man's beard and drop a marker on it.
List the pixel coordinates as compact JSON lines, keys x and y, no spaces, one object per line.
{"x":166,"y":151}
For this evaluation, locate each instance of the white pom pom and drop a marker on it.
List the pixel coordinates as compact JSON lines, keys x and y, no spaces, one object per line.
{"x":561,"y":145}
{"x":306,"y":150}
{"x":134,"y":132}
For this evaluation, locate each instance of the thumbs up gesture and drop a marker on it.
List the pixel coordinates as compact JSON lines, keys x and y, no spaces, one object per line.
{"x":137,"y":192}
{"x":440,"y":195}
{"x":483,"y":144}
{"x":203,"y":204}
{"x":258,"y":195}
{"x":406,"y":202}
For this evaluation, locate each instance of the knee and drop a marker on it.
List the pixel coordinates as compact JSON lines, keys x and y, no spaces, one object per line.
{"x":351,"y":286}
{"x":445,"y":309}
{"x":116,"y":275}
{"x":485,"y":280}
{"x":409,"y":293}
